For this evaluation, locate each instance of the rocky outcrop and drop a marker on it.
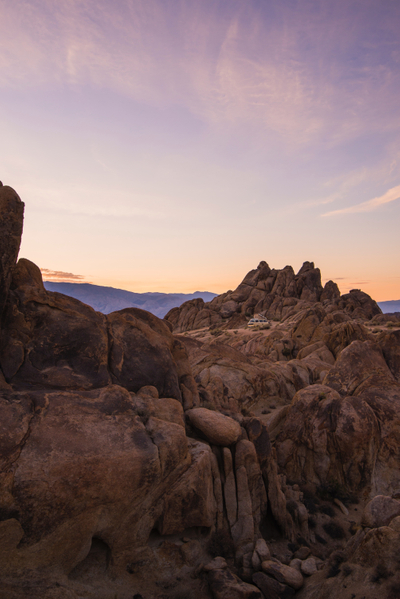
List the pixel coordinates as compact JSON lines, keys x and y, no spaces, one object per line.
{"x":129,"y":456}
{"x":346,"y":430}
{"x":277,"y":294}
{"x":96,"y":462}
{"x":11,"y":220}
{"x":54,"y":341}
{"x":326,"y":437}
{"x":83,"y":465}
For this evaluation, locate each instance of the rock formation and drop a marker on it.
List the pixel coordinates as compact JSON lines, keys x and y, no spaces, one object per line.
{"x":219,"y":463}
{"x":11,"y":220}
{"x":276,"y":294}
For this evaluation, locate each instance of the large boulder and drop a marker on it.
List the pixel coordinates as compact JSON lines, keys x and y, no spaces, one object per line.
{"x":82,"y":465}
{"x":49,"y":339}
{"x":359,"y":366}
{"x":217,"y":428}
{"x":380,"y":511}
{"x":329,"y":438}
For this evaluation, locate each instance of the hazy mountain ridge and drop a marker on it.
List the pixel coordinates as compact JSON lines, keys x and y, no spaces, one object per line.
{"x":389,"y":306}
{"x":110,"y":299}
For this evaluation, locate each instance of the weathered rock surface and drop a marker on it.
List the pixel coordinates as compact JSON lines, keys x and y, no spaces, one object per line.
{"x":278,"y":294}
{"x":271,"y":588}
{"x":326,"y":437}
{"x":217,"y":428}
{"x":380,"y":511}
{"x":11,"y":221}
{"x":226,"y":585}
{"x":54,"y":341}
{"x":360,"y":365}
{"x":106,"y":489}
{"x":284,"y":574}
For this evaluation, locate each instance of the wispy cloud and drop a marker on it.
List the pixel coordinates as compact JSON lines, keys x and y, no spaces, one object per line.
{"x":390,"y":196}
{"x":235,"y":66}
{"x":59,"y":276}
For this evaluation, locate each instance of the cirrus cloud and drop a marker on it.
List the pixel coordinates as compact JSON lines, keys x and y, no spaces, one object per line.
{"x":391,"y":195}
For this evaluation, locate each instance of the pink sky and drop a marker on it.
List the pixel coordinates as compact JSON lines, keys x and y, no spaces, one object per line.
{"x":172,"y":146}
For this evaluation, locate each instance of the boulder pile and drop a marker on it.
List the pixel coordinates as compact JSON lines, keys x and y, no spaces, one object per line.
{"x":219,"y":463}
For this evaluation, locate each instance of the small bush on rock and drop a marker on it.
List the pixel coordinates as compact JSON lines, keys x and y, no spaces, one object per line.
{"x":221,"y":544}
{"x":334,"y":530}
{"x":346,"y":570}
{"x":380,"y":573}
{"x":334,"y":490}
{"x":335,"y":561}
{"x":311,"y":502}
{"x":394,"y":590}
{"x":320,"y":539}
{"x":216,"y":332}
{"x":291,"y":507}
{"x":311,"y":523}
{"x":327,"y":510}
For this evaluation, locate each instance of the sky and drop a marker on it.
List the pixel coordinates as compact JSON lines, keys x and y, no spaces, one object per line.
{"x":171,"y":145}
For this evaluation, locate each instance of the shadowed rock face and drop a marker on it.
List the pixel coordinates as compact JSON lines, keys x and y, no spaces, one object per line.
{"x":277,"y":294}
{"x":54,"y":341}
{"x":11,"y":220}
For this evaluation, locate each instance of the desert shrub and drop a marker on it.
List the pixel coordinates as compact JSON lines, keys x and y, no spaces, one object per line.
{"x":334,"y":530}
{"x":322,"y":396}
{"x":246,"y":413}
{"x":216,"y":332}
{"x":144,"y":414}
{"x":346,"y":570}
{"x":335,"y":561}
{"x":334,"y":490}
{"x":353,"y":528}
{"x":320,"y":539}
{"x":327,"y":510}
{"x":291,"y":507}
{"x":312,"y":523}
{"x":381,"y":572}
{"x":394,"y":590}
{"x":221,"y":544}
{"x":209,"y":405}
{"x":310,"y":501}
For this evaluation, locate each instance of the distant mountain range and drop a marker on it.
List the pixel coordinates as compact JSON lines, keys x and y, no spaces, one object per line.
{"x":390,"y":306}
{"x":109,"y":299}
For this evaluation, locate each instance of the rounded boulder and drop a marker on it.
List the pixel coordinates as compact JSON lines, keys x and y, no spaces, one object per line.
{"x":217,"y":428}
